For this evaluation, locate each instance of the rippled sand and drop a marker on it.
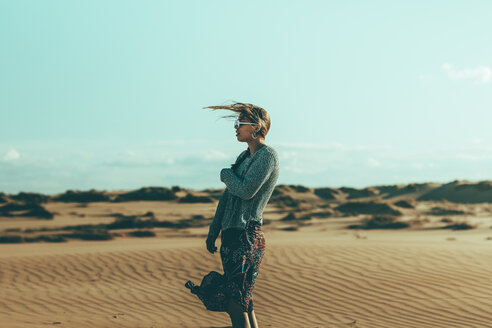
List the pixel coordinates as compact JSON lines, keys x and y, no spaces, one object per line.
{"x":308,"y":278}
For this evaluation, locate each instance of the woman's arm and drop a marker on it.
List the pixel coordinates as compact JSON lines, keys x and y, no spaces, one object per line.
{"x":255,"y":177}
{"x":215,"y":226}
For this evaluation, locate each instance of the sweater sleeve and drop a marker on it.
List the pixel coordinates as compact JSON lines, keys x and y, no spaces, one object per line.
{"x":216,"y":224}
{"x":255,"y":177}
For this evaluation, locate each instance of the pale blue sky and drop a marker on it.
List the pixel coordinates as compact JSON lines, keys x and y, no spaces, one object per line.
{"x":109,"y":94}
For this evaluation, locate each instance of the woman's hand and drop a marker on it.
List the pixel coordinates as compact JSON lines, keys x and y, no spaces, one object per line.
{"x":223,"y":172}
{"x":211,"y":244}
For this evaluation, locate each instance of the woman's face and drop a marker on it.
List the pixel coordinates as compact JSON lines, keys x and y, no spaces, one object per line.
{"x":244,"y":131}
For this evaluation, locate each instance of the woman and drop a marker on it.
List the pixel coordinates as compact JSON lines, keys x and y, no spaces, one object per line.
{"x":249,"y":185}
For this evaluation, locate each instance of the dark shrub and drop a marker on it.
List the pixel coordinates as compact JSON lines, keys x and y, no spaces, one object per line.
{"x":81,"y":227}
{"x":29,"y":209}
{"x":358,"y":193}
{"x":147,"y":193}
{"x":404,"y":204}
{"x":354,"y":208}
{"x":290,"y":229}
{"x":380,"y":222}
{"x":176,"y":188}
{"x":142,"y":233}
{"x":276,"y":192}
{"x":299,"y":188}
{"x":192,"y":222}
{"x":89,"y":235}
{"x":285,"y":200}
{"x":39,"y":212}
{"x":281,"y":189}
{"x":199,"y":217}
{"x":13,"y":239}
{"x":215,"y":194}
{"x":47,"y":238}
{"x":30,"y":197}
{"x":3,"y":198}
{"x":11,"y":207}
{"x":461,"y":192}
{"x":326,"y":193}
{"x":324,"y":214}
{"x":148,"y":214}
{"x":289,"y":217}
{"x":189,"y":198}
{"x":196,"y":221}
{"x":174,"y":225}
{"x":83,"y":205}
{"x":394,"y":191}
{"x":82,"y":196}
{"x":293,"y":217}
{"x":123,"y":216}
{"x":445,"y":211}
{"x":130,"y":222}
{"x":480,"y":186}
{"x":13,"y":230}
{"x":459,"y":226}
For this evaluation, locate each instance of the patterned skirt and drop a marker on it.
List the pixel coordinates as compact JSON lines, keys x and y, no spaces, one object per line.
{"x":241,"y":252}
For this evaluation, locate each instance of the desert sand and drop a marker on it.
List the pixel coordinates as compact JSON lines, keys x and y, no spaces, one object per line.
{"x":315,"y":273}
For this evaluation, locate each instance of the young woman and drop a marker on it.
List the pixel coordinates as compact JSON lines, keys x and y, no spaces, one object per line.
{"x":249,"y":185}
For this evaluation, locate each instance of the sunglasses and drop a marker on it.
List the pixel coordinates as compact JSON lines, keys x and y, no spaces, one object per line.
{"x":237,"y":124}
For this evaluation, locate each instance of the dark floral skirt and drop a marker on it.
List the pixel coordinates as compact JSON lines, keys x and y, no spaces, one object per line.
{"x":241,"y":252}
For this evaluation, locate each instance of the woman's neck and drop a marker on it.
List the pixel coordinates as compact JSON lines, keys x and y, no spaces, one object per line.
{"x":254,"y":147}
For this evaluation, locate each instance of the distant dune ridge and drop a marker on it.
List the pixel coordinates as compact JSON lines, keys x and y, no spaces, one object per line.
{"x":376,"y":207}
{"x":455,"y":191}
{"x":461,"y":192}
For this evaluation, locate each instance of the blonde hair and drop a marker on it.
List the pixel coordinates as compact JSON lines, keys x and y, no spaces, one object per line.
{"x":254,"y":114}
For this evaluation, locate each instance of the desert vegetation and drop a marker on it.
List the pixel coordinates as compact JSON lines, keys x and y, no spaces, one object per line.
{"x":404,"y":204}
{"x":190,"y":198}
{"x":380,"y":222}
{"x":147,"y":193}
{"x":17,"y":209}
{"x":133,"y":225}
{"x":459,"y":226}
{"x":72,"y":196}
{"x":370,"y":207}
{"x":380,"y":207}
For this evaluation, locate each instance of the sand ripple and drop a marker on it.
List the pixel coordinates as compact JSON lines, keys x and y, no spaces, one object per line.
{"x":319,"y":283}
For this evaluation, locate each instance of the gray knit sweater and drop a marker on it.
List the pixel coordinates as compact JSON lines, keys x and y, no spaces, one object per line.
{"x":247,"y":192}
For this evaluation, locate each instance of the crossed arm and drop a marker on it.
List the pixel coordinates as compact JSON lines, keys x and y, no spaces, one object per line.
{"x":255,"y":177}
{"x":245,"y":188}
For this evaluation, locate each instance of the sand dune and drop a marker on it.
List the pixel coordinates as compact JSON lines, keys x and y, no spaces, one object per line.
{"x":307,"y":279}
{"x":316,"y":272}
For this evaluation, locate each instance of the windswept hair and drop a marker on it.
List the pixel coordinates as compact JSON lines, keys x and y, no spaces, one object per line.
{"x":254,"y":114}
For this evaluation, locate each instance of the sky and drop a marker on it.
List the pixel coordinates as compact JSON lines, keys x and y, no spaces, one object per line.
{"x":110,"y":94}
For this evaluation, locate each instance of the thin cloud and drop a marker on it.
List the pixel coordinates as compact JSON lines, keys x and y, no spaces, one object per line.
{"x":331,"y":145}
{"x":481,"y":74}
{"x":11,"y":155}
{"x":373,"y":162}
{"x":215,"y":155}
{"x":130,"y":158}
